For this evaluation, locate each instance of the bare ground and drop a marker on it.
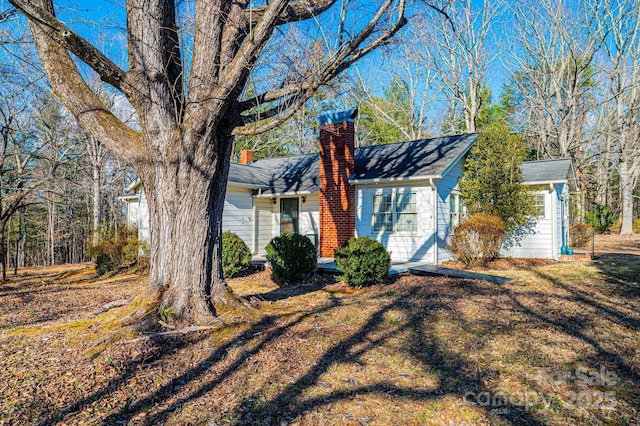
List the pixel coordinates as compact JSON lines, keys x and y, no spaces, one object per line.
{"x":556,"y":345}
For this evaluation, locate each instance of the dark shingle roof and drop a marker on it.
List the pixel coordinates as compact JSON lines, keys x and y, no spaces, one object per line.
{"x":290,"y":174}
{"x":546,"y":171}
{"x":421,"y":158}
{"x":241,"y":174}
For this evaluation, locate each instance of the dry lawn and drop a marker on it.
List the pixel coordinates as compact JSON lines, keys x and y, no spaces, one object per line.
{"x":556,"y":345}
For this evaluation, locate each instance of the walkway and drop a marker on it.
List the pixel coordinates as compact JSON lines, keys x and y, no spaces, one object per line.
{"x":430,"y":270}
{"x":327,"y":264}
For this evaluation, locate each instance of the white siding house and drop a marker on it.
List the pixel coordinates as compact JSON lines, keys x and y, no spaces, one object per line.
{"x":405,"y":195}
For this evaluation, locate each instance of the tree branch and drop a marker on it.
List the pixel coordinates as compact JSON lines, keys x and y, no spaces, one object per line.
{"x":77,"y":96}
{"x":295,"y":11}
{"x":347,"y":54}
{"x":61,"y":34}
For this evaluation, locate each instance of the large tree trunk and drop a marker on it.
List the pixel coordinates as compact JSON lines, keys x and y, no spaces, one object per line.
{"x":185,"y":197}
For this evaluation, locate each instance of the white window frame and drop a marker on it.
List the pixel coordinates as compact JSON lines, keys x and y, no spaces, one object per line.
{"x":392,"y":226}
{"x":540,"y":207}
{"x":458,"y":215}
{"x":384,"y":224}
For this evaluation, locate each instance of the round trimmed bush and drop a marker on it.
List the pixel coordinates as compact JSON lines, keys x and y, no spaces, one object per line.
{"x":291,"y":255}
{"x":236,"y":256}
{"x":477,"y":240}
{"x":363,"y":261}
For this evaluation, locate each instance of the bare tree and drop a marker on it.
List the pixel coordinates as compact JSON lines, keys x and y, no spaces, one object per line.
{"x":551,"y":61}
{"x":458,"y":52}
{"x":622,"y":127}
{"x":407,"y":105}
{"x":190,"y":115}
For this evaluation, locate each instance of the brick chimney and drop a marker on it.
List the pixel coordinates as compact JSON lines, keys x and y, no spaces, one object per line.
{"x":246,"y":156}
{"x":337,"y":164}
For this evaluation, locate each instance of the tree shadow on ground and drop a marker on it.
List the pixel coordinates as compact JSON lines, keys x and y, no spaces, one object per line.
{"x":423,"y":307}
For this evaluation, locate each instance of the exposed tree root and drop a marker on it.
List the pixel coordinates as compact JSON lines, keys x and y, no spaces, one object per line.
{"x":146,"y":314}
{"x":111,"y":305}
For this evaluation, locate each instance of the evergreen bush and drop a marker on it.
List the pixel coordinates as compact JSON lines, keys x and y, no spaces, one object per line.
{"x":363,"y":261}
{"x":236,"y":256}
{"x":291,"y":255}
{"x":115,"y":249}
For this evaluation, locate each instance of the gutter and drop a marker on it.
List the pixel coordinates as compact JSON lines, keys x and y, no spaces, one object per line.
{"x":285,"y":194}
{"x":545,"y":182}
{"x":126,"y":198}
{"x":428,"y":178}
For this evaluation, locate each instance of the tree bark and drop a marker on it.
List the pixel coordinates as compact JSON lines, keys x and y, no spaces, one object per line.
{"x":626,"y":196}
{"x":185,"y":199}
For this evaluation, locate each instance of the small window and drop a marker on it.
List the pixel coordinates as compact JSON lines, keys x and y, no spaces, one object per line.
{"x":406,"y":212}
{"x":382,"y":214}
{"x":540,"y":206}
{"x":457,"y":210}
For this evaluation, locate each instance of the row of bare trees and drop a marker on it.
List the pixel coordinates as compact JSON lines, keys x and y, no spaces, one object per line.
{"x":58,"y":185}
{"x":571,"y":81}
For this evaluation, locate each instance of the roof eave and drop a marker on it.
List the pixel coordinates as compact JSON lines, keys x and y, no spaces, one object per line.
{"x":394,"y":179}
{"x":248,"y":185}
{"x":544,"y":182}
{"x":286,"y":194}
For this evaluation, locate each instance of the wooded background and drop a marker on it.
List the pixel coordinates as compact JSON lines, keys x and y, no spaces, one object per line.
{"x":564,"y":74}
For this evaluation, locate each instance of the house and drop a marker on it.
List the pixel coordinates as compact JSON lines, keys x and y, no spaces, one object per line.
{"x":403,"y":195}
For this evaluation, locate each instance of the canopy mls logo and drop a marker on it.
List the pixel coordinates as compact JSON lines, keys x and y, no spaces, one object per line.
{"x":587,"y":389}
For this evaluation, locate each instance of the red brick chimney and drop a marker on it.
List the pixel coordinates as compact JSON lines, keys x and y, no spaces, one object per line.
{"x":337,"y":164}
{"x":246,"y":156}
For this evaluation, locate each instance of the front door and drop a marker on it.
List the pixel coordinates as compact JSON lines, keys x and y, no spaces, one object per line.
{"x":288,"y":215}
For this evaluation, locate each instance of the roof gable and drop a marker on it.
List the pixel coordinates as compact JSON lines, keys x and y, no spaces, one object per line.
{"x":548,"y":171}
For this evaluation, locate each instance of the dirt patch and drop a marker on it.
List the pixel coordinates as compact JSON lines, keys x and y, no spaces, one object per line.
{"x":502,"y":264}
{"x":556,"y":345}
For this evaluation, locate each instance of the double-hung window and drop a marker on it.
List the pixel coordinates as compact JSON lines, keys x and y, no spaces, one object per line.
{"x":395,"y":212}
{"x":382,"y":213}
{"x":457,"y":210}
{"x":540,"y":208}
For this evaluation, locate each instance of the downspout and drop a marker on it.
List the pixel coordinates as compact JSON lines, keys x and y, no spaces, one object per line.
{"x":255,"y":222}
{"x":554,"y":218}
{"x":435,"y":221}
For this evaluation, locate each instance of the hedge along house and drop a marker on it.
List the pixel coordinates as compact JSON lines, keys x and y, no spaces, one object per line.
{"x":404,"y":194}
{"x":551,"y":182}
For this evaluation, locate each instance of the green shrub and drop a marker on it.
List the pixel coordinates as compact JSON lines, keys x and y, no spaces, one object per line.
{"x":115,"y":250}
{"x":636,"y":225}
{"x":363,"y":261}
{"x":477,"y":240}
{"x":236,"y":256}
{"x":601,"y":219}
{"x":104,"y":263}
{"x":291,"y":255}
{"x":579,"y":234}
